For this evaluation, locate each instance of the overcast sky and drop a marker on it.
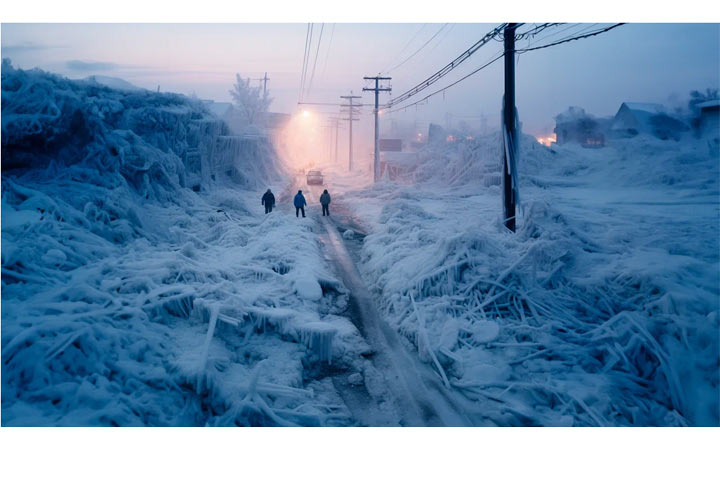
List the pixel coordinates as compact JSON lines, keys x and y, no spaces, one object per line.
{"x":638,"y":62}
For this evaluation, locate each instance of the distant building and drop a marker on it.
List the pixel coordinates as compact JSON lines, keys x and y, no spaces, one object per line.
{"x":398,"y":165}
{"x":273,"y":121}
{"x":709,"y":124}
{"x":436,"y":133}
{"x":390,"y":144}
{"x":574,"y":125}
{"x":709,"y":117}
{"x":650,"y":118}
{"x":221,"y":110}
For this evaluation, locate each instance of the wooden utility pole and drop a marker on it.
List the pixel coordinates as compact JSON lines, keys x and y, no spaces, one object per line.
{"x":509,"y":133}
{"x":265,"y":80}
{"x":377,"y":90}
{"x":336,"y":125}
{"x":350,"y":119}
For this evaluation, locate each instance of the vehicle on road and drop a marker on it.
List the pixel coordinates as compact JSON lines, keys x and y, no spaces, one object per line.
{"x":314,"y":177}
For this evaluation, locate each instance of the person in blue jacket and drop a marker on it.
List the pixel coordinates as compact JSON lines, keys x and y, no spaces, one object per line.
{"x":299,"y":204}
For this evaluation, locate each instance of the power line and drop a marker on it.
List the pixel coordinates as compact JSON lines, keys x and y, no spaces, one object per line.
{"x":302,"y":69}
{"x":317,"y":54}
{"x":307,"y":61}
{"x":447,"y":68}
{"x":327,"y":54}
{"x":535,"y":30}
{"x":451,"y":85}
{"x":422,"y":27}
{"x":434,"y":47}
{"x":418,"y":50}
{"x":578,"y":37}
{"x":440,"y":40}
{"x":557,"y":32}
{"x":565,"y":40}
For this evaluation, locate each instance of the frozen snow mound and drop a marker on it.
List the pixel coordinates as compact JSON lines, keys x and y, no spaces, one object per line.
{"x":168,"y":138}
{"x":113,"y":82}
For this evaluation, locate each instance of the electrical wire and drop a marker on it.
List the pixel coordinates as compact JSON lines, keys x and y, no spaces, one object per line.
{"x":447,"y":68}
{"x":327,"y":54}
{"x":317,"y":54}
{"x":565,"y":40}
{"x":577,"y":37}
{"x":402,"y":50}
{"x":451,"y":85}
{"x":417,"y":51}
{"x":307,"y":61}
{"x":302,"y":69}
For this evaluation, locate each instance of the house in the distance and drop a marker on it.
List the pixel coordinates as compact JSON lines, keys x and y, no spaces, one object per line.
{"x":709,"y":124}
{"x":633,"y":118}
{"x":709,"y":121}
{"x":574,"y":125}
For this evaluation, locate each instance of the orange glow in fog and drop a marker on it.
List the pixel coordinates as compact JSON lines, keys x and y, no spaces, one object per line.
{"x":548,"y":140}
{"x":302,"y":143}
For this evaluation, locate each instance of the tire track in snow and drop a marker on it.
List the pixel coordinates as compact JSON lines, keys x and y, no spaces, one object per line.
{"x":420,"y":397}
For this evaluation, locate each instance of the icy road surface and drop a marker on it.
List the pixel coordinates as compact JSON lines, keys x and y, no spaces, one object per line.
{"x":417,"y":391}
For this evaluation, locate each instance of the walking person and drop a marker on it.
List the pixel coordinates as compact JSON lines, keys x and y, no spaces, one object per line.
{"x":299,"y":203}
{"x":325,"y":202}
{"x":269,"y":201}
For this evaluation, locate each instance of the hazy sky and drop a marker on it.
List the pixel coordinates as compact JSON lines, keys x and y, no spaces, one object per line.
{"x":637,"y":62}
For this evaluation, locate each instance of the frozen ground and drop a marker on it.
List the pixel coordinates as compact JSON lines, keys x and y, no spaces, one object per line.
{"x":601,"y":310}
{"x":130,"y":299}
{"x":142,"y":285}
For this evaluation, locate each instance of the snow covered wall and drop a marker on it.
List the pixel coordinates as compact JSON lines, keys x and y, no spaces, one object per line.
{"x":141,"y":284}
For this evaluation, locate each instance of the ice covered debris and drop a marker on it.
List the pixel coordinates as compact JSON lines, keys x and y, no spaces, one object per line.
{"x":307,"y":286}
{"x":318,"y":336}
{"x":484,"y":331}
{"x":106,"y":249}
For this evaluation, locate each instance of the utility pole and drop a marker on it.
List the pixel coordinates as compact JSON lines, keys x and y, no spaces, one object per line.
{"x":336,"y":125}
{"x":377,"y":90}
{"x":351,"y":112}
{"x":509,"y":133}
{"x":265,"y":80}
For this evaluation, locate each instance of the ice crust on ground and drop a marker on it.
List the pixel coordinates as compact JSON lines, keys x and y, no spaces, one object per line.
{"x":131,"y":299}
{"x":601,"y":310}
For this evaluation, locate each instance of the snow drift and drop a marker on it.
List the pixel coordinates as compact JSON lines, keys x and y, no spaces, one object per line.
{"x":138,"y":286}
{"x":602,"y":309}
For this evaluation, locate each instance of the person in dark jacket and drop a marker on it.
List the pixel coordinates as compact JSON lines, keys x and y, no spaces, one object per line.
{"x":268,"y":200}
{"x":325,"y":202}
{"x":299,"y":203}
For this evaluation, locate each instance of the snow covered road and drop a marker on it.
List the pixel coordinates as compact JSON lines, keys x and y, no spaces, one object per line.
{"x":420,"y":397}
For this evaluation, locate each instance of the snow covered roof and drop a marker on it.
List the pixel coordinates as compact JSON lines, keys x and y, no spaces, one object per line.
{"x":571,"y":114}
{"x":653,"y":108}
{"x":709,"y":103}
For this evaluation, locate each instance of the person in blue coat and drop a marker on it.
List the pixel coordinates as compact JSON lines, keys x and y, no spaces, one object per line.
{"x":299,"y":204}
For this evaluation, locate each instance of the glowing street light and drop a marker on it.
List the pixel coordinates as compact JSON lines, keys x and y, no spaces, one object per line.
{"x":305,"y":113}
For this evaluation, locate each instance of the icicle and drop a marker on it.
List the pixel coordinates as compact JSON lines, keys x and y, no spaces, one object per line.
{"x":318,"y":337}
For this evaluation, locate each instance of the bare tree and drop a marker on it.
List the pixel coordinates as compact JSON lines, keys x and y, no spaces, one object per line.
{"x":250,"y":101}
